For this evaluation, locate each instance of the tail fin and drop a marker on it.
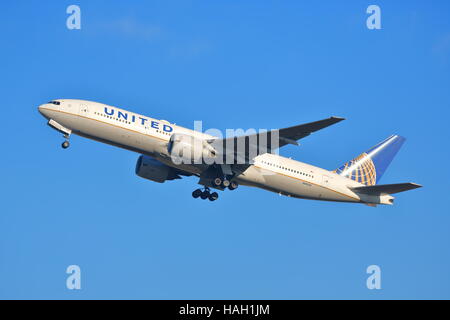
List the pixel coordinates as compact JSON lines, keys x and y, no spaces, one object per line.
{"x":368,"y":167}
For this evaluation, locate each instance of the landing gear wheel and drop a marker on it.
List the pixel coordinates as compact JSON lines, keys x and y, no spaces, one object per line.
{"x":205,"y":194}
{"x":217,"y":182}
{"x":233,"y":185}
{"x":226,"y":183}
{"x":65,"y":144}
{"x":197,"y":193}
{"x":213,"y":196}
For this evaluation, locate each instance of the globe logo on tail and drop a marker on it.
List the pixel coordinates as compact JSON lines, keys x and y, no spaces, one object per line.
{"x":360,"y":169}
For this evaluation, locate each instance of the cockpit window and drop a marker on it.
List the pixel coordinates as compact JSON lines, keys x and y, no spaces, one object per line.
{"x":57,"y":103}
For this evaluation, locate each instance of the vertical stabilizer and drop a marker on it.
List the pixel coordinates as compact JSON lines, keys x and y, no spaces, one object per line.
{"x":368,"y":167}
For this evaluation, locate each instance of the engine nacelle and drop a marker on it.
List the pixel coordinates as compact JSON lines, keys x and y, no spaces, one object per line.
{"x":188,"y":149}
{"x":152,"y":169}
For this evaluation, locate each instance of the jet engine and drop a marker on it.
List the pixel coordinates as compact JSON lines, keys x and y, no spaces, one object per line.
{"x":188,"y":149}
{"x":152,"y":169}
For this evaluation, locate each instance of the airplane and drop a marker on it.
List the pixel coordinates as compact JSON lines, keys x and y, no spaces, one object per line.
{"x":162,"y":145}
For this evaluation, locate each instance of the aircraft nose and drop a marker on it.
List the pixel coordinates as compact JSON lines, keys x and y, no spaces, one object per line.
{"x":43,"y":110}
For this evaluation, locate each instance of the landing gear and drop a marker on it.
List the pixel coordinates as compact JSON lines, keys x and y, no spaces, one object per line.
{"x":217,"y":182}
{"x":233,"y":185}
{"x":213,"y":196}
{"x":197,"y":193}
{"x":205,"y":194}
{"x":66,"y":143}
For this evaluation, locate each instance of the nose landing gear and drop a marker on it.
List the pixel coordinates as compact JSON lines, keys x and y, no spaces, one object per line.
{"x":66,"y":143}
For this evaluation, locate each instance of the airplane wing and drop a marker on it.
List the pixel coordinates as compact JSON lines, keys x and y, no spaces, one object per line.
{"x":243,"y":148}
{"x":386,"y":188}
{"x":292,"y":134}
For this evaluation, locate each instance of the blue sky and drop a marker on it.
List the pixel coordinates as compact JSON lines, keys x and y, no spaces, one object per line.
{"x":232,"y":64}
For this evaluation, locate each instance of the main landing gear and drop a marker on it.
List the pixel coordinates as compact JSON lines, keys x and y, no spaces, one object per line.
{"x":66,"y":143}
{"x":225,"y":183}
{"x":205,"y":194}
{"x":213,"y":196}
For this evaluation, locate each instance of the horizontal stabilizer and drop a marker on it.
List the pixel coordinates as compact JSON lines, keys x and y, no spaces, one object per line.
{"x":386,"y":188}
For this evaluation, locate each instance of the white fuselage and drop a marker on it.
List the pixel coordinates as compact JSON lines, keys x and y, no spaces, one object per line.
{"x":150,"y":137}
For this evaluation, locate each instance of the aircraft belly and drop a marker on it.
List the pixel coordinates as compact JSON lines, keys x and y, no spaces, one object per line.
{"x":290,"y":186}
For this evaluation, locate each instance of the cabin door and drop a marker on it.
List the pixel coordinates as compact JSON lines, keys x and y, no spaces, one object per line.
{"x":84,"y":110}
